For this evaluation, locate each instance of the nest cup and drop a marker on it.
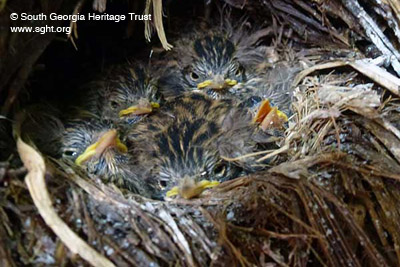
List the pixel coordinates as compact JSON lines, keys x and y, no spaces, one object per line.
{"x":327,"y":197}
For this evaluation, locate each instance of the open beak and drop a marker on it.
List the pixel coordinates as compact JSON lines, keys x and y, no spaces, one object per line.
{"x":108,"y":139}
{"x":217,"y":83}
{"x":269,"y":117}
{"x":140,"y":109}
{"x":188,"y":188}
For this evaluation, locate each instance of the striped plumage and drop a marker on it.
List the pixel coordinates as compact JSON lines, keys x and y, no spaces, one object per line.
{"x":211,"y":86}
{"x":186,"y":139}
{"x":111,"y":165}
{"x":213,"y":61}
{"x":98,"y":116}
{"x":274,"y":84}
{"x":121,"y":87}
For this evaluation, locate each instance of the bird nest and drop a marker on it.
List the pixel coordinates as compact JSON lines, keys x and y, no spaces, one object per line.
{"x":328,"y":196}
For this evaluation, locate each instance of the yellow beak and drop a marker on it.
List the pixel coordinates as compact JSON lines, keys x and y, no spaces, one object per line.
{"x":282,"y":115}
{"x":274,"y":119}
{"x":108,"y":139}
{"x":189,"y":189}
{"x":216,"y":84}
{"x":269,"y":117}
{"x":270,"y":113}
{"x":139,"y":109}
{"x":230,"y":82}
{"x":263,"y":111}
{"x":204,"y":84}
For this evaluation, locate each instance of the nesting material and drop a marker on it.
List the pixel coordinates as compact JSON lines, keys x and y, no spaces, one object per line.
{"x":328,"y":197}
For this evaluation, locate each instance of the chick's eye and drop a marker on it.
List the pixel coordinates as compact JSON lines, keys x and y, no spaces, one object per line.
{"x":162,"y":184}
{"x":69,"y":153}
{"x":238,"y":71}
{"x":194,"y":76}
{"x":219,"y":170}
{"x":114,"y":104}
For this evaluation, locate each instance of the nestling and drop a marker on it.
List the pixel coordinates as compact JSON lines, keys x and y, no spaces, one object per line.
{"x":180,"y":149}
{"x":125,"y":94}
{"x":96,"y":147}
{"x":213,"y":61}
{"x":269,"y":96}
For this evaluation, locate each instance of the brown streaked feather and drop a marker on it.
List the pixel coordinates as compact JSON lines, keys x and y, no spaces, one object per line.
{"x":223,"y":49}
{"x":183,"y":141}
{"x":274,"y":84}
{"x":111,"y":166}
{"x":120,"y":87}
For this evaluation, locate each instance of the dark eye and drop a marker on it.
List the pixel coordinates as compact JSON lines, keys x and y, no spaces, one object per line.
{"x":69,"y":153}
{"x":239,"y":71}
{"x":162,"y":184}
{"x":114,"y":104}
{"x":194,"y":76}
{"x":219,"y":170}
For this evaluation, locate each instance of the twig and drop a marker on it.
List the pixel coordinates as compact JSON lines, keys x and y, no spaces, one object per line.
{"x":374,"y":33}
{"x":384,"y":11}
{"x":41,"y":198}
{"x":157,"y":13}
{"x":375,"y":73}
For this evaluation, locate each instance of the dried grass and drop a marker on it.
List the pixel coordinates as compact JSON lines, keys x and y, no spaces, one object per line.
{"x":329,"y":198}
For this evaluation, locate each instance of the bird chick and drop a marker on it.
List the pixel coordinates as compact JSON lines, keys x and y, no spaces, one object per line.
{"x":181,"y":149}
{"x":96,"y":147}
{"x":214,"y":61}
{"x":269,"y":96}
{"x":125,"y":94}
